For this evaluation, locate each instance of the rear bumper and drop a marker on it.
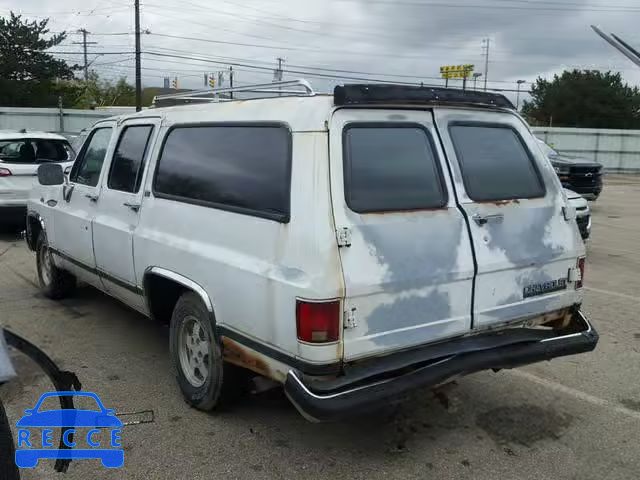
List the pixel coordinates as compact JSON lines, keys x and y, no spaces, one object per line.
{"x":364,"y":388}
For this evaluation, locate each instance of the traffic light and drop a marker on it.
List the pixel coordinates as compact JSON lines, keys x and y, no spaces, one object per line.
{"x":174,"y":82}
{"x":212,"y":80}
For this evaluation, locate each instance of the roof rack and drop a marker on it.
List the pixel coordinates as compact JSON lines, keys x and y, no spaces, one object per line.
{"x":374,"y":94}
{"x":290,"y":88}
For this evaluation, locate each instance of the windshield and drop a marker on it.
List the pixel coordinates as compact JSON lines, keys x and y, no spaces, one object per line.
{"x":35,"y":150}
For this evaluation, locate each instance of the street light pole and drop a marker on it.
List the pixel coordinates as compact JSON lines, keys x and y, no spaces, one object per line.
{"x":519,"y":82}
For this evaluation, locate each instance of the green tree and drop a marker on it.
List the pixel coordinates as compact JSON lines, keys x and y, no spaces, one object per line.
{"x":29,"y":76}
{"x":103,"y":93}
{"x":584,"y":98}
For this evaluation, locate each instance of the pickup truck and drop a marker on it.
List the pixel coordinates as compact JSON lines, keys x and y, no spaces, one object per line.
{"x":351,"y":246}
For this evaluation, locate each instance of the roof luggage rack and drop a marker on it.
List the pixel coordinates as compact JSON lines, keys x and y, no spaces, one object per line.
{"x":291,"y":88}
{"x":373,"y":94}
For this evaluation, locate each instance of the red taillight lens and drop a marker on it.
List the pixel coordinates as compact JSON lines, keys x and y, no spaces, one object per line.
{"x":5,"y":172}
{"x":581,"y":263}
{"x":318,"y":322}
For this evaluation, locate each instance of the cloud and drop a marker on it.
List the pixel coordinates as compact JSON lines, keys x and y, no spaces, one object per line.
{"x":396,"y":40}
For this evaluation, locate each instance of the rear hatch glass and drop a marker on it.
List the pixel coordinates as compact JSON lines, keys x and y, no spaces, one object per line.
{"x":31,"y":151}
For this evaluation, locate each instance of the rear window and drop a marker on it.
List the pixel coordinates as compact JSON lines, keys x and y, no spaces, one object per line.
{"x":495,"y":163}
{"x":33,"y":150}
{"x":246,"y":169}
{"x":391,"y":167}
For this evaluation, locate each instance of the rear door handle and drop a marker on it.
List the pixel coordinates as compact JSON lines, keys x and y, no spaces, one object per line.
{"x":133,"y":206}
{"x":93,"y":198}
{"x":482,"y":220}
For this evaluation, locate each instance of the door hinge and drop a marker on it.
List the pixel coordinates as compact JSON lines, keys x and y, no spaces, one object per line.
{"x":574,"y":275}
{"x":344,"y":237}
{"x":350,"y":319}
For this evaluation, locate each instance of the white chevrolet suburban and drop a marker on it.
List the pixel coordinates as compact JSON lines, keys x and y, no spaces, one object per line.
{"x":351,"y":246}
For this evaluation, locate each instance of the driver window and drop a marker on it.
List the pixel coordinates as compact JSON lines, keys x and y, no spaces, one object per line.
{"x":87,"y":169}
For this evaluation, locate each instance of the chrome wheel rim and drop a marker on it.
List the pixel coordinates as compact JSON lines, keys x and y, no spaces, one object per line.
{"x":45,"y":265}
{"x":193,"y":349}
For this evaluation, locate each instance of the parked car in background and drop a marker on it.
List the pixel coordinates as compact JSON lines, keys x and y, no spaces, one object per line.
{"x":352,"y":247}
{"x":581,"y":175}
{"x":583,"y":212}
{"x":21,"y":152}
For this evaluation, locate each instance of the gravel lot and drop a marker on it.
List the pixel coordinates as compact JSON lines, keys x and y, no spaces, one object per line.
{"x":573,"y":418}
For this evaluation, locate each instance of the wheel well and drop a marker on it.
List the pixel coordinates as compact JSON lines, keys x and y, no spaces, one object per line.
{"x":34,"y":227}
{"x":162,"y":295}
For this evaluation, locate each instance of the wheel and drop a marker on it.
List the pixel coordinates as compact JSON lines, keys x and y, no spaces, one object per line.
{"x":206,"y":381}
{"x":55,"y":283}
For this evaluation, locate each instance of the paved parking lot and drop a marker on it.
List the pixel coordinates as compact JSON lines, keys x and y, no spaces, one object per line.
{"x":573,"y":418}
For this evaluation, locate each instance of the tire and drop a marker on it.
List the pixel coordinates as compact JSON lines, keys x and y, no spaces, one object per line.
{"x":207,"y":382}
{"x":55,"y":283}
{"x":8,"y":468}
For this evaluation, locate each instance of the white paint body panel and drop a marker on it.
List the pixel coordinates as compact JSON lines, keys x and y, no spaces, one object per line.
{"x":533,"y":244}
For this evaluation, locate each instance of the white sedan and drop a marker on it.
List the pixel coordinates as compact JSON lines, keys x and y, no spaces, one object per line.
{"x":21,"y":152}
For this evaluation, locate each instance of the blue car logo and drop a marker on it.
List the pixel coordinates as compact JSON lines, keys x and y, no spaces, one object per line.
{"x":34,"y":445}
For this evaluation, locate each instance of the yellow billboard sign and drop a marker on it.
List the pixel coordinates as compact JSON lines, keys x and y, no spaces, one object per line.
{"x":456,"y":71}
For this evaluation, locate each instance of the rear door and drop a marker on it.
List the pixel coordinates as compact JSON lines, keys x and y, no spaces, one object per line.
{"x":120,"y":202}
{"x":408,"y":266}
{"x":524,"y":246}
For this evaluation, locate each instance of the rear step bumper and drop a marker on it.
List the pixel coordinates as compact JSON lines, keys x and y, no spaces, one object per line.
{"x":356,"y":392}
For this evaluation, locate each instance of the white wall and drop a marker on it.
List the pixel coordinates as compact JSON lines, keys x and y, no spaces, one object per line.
{"x":617,"y":150}
{"x":51,"y":119}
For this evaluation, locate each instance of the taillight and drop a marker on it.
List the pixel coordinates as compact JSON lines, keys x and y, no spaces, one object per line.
{"x":318,"y":322}
{"x":5,"y":172}
{"x":580,"y":265}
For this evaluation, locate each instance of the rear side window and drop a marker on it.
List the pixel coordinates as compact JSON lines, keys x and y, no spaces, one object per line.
{"x":128,"y":159}
{"x":245,"y":168}
{"x":495,"y":163}
{"x":389,"y":167}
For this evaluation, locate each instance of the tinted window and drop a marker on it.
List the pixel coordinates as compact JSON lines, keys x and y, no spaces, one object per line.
{"x":128,"y":160}
{"x":35,"y":150}
{"x":390,"y":168}
{"x":242,"y":168}
{"x":87,"y":171}
{"x":495,"y":163}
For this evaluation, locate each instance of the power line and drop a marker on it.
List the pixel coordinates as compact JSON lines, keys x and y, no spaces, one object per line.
{"x":501,"y":7}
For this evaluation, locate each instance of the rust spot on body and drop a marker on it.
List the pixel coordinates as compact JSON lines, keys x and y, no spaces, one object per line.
{"x":239,"y":355}
{"x":501,"y":203}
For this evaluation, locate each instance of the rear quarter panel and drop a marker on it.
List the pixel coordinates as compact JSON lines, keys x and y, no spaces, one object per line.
{"x":253,"y":269}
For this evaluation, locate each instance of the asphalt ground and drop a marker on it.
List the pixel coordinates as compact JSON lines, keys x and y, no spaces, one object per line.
{"x":571,"y":418}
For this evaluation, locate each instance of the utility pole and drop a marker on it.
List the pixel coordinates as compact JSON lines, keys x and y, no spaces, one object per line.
{"x":486,"y":43}
{"x":519,"y":82}
{"x":138,"y":67}
{"x":231,"y":81}
{"x":84,"y":44}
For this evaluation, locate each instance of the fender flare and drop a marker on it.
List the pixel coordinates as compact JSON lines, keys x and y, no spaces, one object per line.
{"x":182,"y":280}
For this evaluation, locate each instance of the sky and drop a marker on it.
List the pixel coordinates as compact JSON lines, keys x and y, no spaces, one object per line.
{"x":331,"y":42}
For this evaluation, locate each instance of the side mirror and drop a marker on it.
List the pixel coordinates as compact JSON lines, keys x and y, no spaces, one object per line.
{"x":50,"y":174}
